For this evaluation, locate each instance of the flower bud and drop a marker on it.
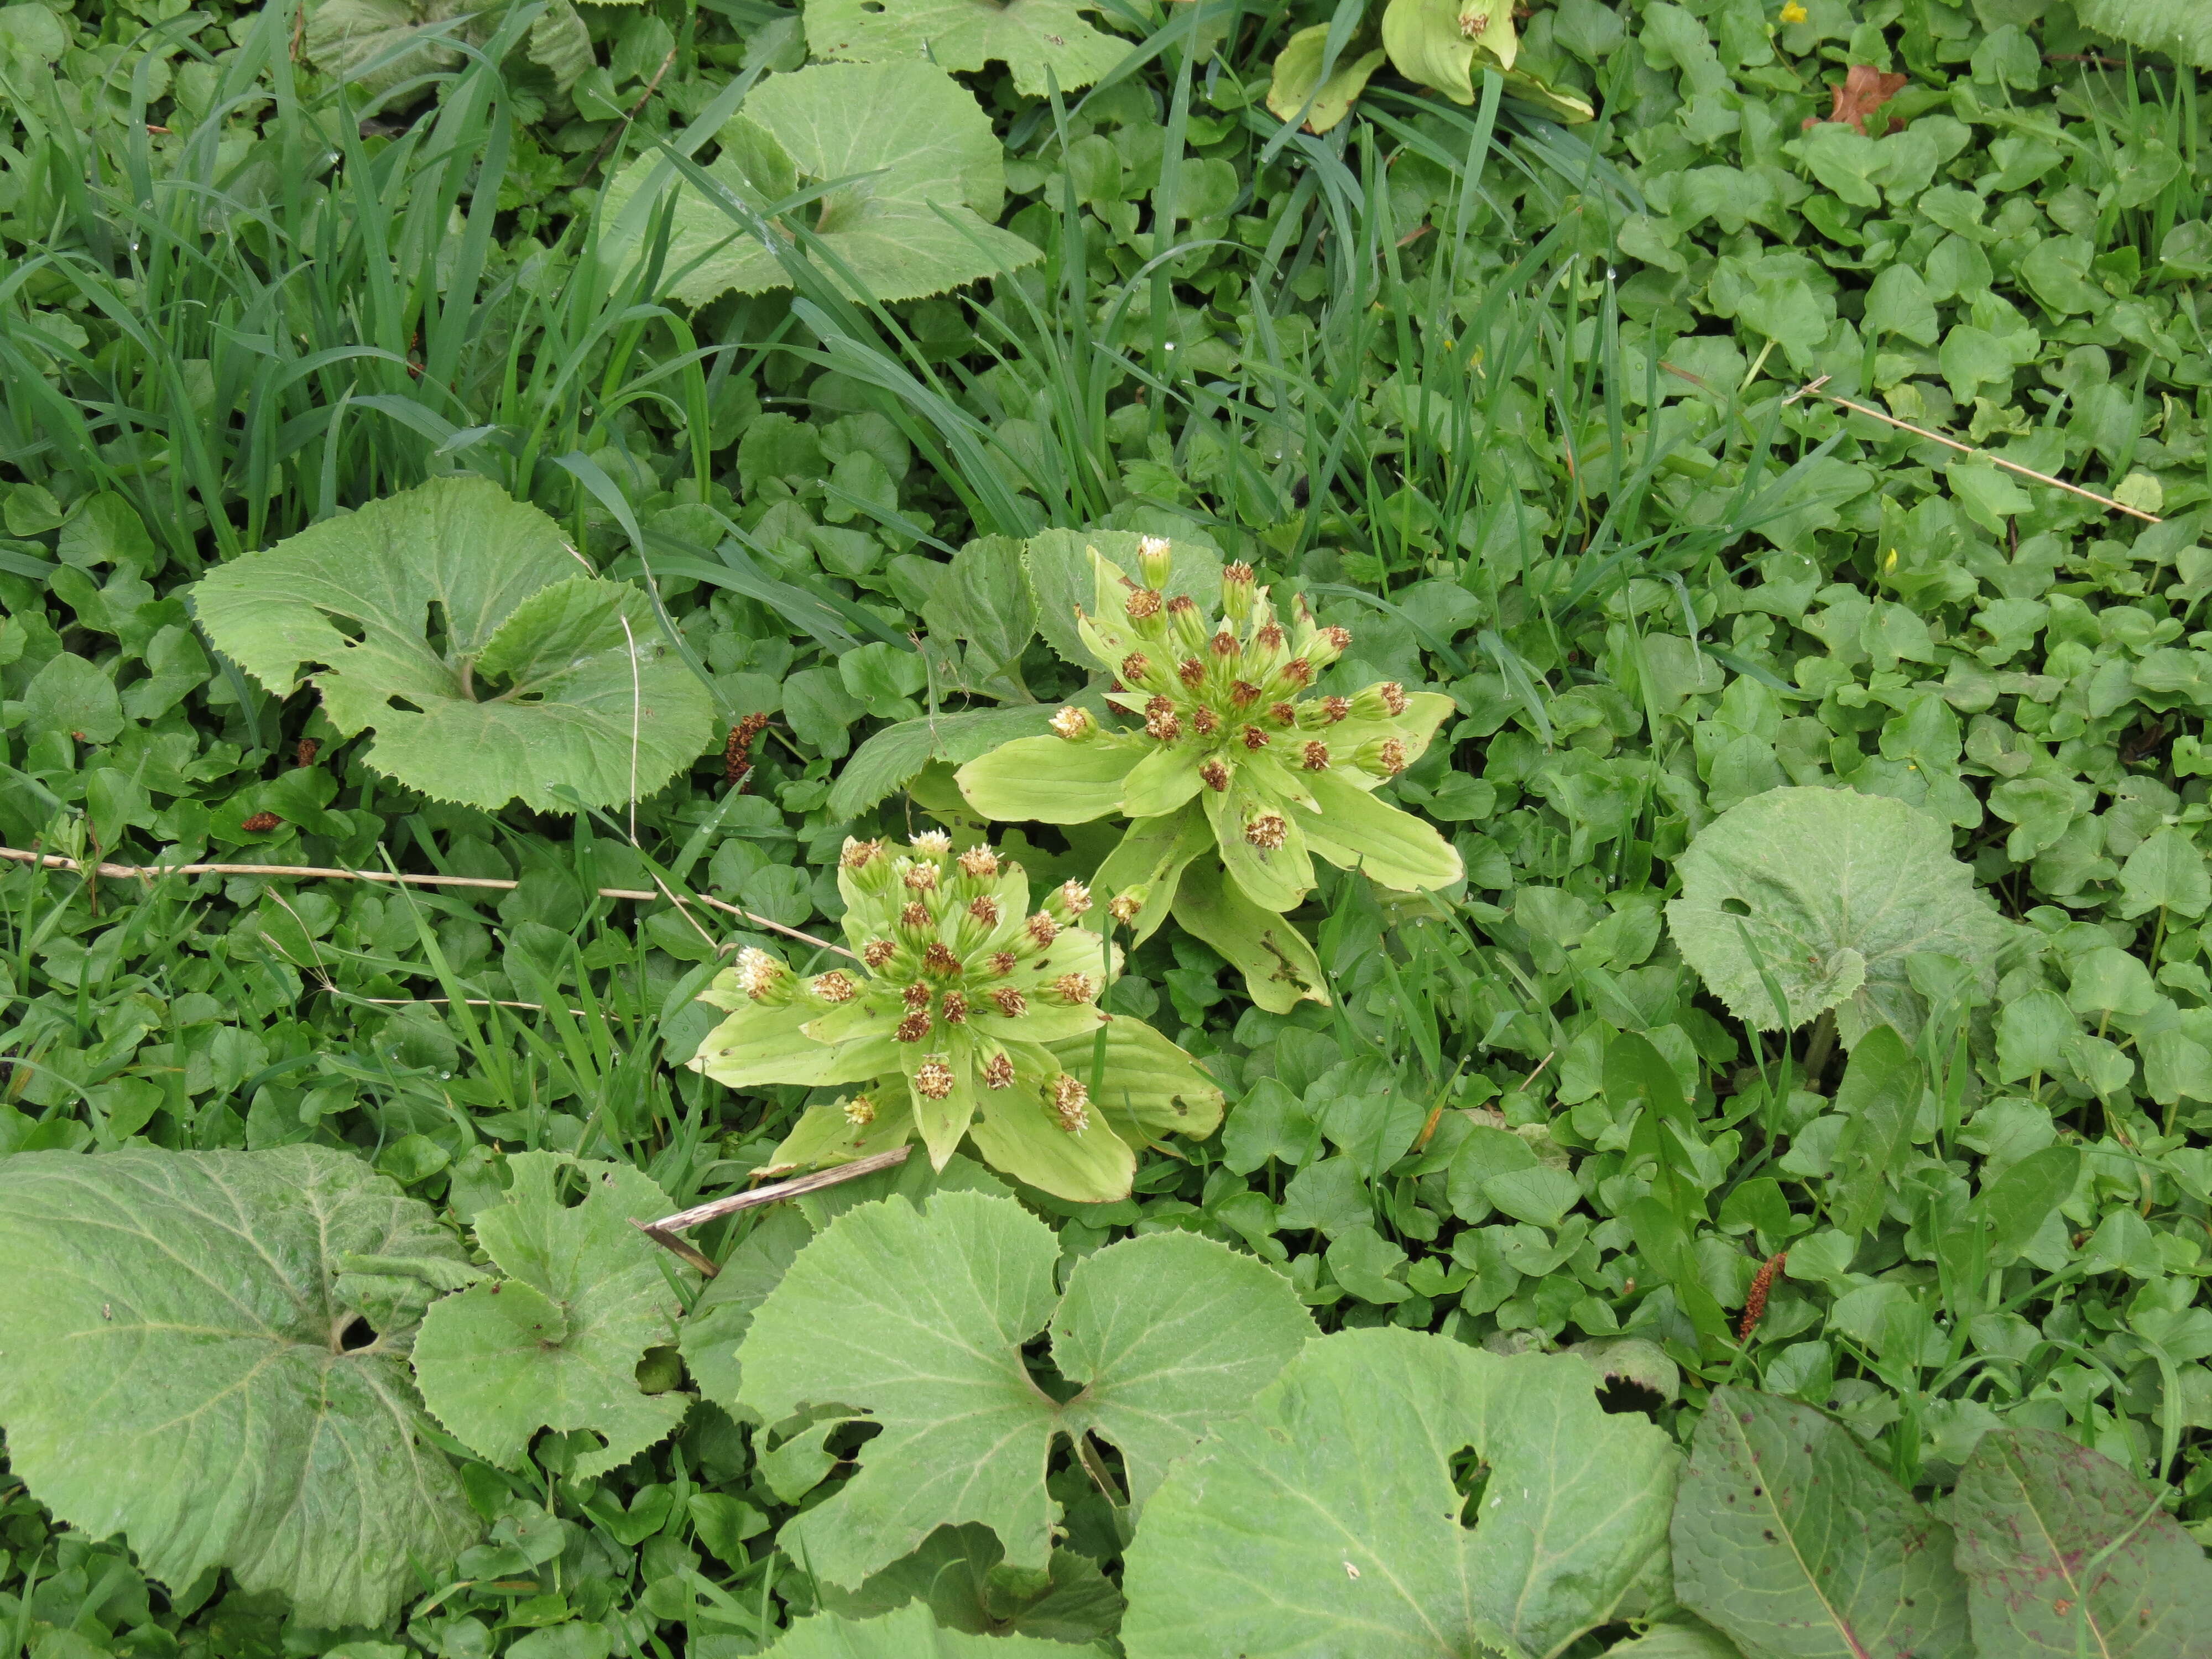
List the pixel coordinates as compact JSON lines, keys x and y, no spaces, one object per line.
{"x":1384,"y":756}
{"x":1236,"y":590}
{"x":869,"y":864}
{"x":1128,"y":904}
{"x":1327,"y":645}
{"x":1042,"y":930}
{"x":1155,"y":557}
{"x":1145,"y":606}
{"x":877,"y":951}
{"x":1254,"y":737}
{"x":1325,"y":711}
{"x":1204,"y":721}
{"x":1186,"y":624}
{"x":762,"y":977}
{"x":916,"y":921}
{"x":1068,"y":901}
{"x":1384,"y":699}
{"x":1000,"y":964}
{"x":932,"y":844}
{"x":1074,"y":724}
{"x":916,"y":999}
{"x":860,"y":1111}
{"x":980,"y":862}
{"x":1071,"y":1104}
{"x":938,"y":959}
{"x":919,"y":877}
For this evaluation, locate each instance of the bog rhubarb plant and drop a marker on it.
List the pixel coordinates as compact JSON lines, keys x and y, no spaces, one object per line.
{"x":1239,"y":774}
{"x":965,"y":1013}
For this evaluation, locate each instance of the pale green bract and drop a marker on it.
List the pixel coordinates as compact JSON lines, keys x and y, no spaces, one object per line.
{"x":1327,"y":1521}
{"x":556,"y":1343}
{"x":547,"y":680}
{"x":174,"y":1367}
{"x":1027,"y":36}
{"x":1236,"y":777}
{"x":923,"y":180}
{"x":970,"y":1016}
{"x":910,"y":1634}
{"x":1296,"y":85}
{"x":916,"y":1317}
{"x":1828,"y":891}
{"x":2182,"y":29}
{"x":1789,"y":1539}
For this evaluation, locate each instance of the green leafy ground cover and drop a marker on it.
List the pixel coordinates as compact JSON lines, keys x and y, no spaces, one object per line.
{"x":1775,"y":1063}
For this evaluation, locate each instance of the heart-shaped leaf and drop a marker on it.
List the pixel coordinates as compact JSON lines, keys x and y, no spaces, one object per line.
{"x":541,"y":678}
{"x":187,"y":1360}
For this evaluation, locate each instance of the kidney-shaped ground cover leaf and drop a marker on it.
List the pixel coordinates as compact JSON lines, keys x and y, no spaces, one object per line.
{"x":556,"y":1343}
{"x":1027,"y":36}
{"x":926,"y":173}
{"x":1829,"y":891}
{"x":2066,"y":1552}
{"x":174,"y":1367}
{"x":1790,"y":1541}
{"x":1328,"y":1521}
{"x":539,"y":675}
{"x":911,"y":1633}
{"x":914,"y":1318}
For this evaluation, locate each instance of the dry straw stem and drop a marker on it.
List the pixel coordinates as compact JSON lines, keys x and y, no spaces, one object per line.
{"x":1813,"y":389}
{"x":663,"y":1232}
{"x":150,"y":872}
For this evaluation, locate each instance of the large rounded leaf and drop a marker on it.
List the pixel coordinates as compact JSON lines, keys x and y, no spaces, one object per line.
{"x":911,"y":1633}
{"x":926,"y":174}
{"x":1827,"y":892}
{"x":916,"y":1319}
{"x":174,"y":1366}
{"x":539,"y":677}
{"x":1027,"y":36}
{"x":1327,"y":1521}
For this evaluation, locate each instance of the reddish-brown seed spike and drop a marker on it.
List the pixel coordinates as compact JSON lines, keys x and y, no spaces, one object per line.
{"x":261,"y":823}
{"x":877,"y":951}
{"x":1205,"y":720}
{"x":1216,"y":775}
{"x":305,"y":753}
{"x":1191,"y":671}
{"x":913,"y":1028}
{"x":1244,"y":694}
{"x":1254,"y":737}
{"x":1754,"y":1301}
{"x":737,"y":751}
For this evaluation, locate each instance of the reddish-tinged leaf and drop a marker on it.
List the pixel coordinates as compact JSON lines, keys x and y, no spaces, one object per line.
{"x":1865,"y":90}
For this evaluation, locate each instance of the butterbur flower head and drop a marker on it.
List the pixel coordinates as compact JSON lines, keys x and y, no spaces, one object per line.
{"x":1071,"y":1104}
{"x":913,"y":1028}
{"x":1204,"y":721}
{"x":1314,"y":757}
{"x":1191,"y":671}
{"x":980,"y":862}
{"x":937,"y":959}
{"x":1269,"y":636}
{"x":1155,"y":557}
{"x":1161,"y":722}
{"x":860,"y":1111}
{"x":1254,"y":737}
{"x":1010,"y":1002}
{"x":1242,"y":694}
{"x":1000,"y":964}
{"x":1041,"y":929}
{"x":761,"y":976}
{"x":931,"y":843}
{"x":984,"y":909}
{"x":933,"y":1079}
{"x":1384,"y":699}
{"x":1266,"y":832}
{"x":998,"y":1071}
{"x":921,"y":877}
{"x":954,"y":1008}
{"x":1070,"y":900}
{"x":1126,"y":907}
{"x":914,"y":917}
{"x":858,"y":855}
{"x":1282,"y":714}
{"x":1145,"y":604}
{"x":1384,"y":756}
{"x":1216,"y":775}
{"x":836,"y":986}
{"x":1074,"y":988}
{"x":1074,"y":725}
{"x":1136,"y":668}
{"x":877,"y":951}
{"x":1236,"y":590}
{"x":916,"y":998}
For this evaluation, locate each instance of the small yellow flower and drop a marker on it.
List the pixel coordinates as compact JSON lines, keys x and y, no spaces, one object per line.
{"x":1793,"y":13}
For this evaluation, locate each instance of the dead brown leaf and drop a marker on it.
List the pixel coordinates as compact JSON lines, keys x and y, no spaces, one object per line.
{"x":1865,"y":90}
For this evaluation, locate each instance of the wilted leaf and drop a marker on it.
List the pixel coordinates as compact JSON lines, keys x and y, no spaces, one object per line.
{"x":540,"y":677}
{"x":177,"y":1369}
{"x":1828,"y":891}
{"x":1326,"y":1520}
{"x":2066,"y":1552}
{"x":924,"y":181}
{"x":1027,"y":36}
{"x":557,"y":1344}
{"x":1789,"y":1541}
{"x":915,"y":1318}
{"x":1865,"y":89}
